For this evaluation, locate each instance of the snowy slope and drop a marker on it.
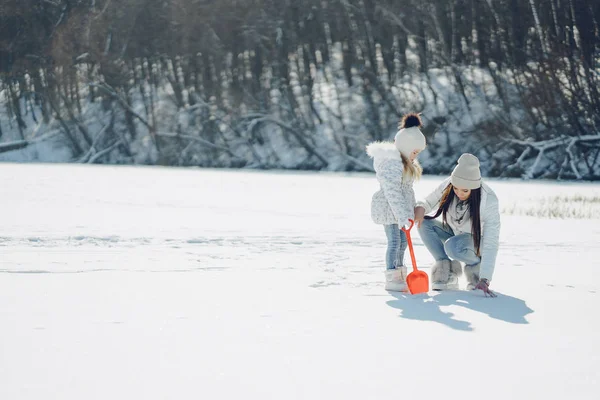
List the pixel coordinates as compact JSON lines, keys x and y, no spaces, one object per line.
{"x":125,"y":283}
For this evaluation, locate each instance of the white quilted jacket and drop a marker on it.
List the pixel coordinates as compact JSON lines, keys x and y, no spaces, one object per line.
{"x":394,"y":203}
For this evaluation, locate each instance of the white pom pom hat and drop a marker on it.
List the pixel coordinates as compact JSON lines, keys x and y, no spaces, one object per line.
{"x":409,"y":139}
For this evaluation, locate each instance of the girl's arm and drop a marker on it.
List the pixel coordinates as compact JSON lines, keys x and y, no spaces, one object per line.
{"x":389,"y":175}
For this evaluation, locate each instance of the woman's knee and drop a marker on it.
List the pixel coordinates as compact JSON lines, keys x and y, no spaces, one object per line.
{"x":450,"y":249}
{"x":426,"y":224}
{"x":457,"y":246}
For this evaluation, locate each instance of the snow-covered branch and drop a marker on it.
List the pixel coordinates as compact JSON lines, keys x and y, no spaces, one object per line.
{"x":9,"y":146}
{"x":111,"y":92}
{"x":105,"y":151}
{"x":199,"y":140}
{"x":569,"y":144}
{"x":92,"y":149}
{"x":256,"y":119}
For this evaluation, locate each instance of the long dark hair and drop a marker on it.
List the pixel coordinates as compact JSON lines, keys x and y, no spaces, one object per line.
{"x":474,"y":202}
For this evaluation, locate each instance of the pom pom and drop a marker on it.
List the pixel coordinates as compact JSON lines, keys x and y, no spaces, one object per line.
{"x":410,"y":120}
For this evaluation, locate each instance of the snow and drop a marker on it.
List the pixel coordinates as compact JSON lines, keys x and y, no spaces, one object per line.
{"x":147,"y":282}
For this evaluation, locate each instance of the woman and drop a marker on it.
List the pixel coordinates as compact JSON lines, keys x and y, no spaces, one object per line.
{"x":469,"y":229}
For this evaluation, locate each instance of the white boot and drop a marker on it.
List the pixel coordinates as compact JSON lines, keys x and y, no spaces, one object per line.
{"x":395,"y":279}
{"x":472,"y":275}
{"x":455,"y":273}
{"x":440,"y":274}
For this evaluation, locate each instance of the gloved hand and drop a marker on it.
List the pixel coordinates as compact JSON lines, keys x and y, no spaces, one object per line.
{"x":484,"y":285}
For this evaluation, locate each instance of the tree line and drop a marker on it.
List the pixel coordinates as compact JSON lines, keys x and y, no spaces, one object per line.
{"x":250,"y":80}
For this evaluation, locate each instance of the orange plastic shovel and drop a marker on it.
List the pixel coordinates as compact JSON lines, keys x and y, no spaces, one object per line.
{"x":418,"y":281}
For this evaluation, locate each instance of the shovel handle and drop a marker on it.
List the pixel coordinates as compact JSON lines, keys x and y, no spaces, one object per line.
{"x":410,"y":245}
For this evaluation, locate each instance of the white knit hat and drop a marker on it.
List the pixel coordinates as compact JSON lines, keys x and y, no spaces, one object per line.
{"x":466,"y":174}
{"x":409,"y":139}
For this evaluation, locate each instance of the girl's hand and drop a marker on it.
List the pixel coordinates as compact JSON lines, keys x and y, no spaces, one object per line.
{"x":419,"y":216}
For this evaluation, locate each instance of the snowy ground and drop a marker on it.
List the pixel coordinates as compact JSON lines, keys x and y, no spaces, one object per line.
{"x":153,"y":283}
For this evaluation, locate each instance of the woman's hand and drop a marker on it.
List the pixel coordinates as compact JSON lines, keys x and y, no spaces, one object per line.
{"x":484,"y":285}
{"x":419,"y":215}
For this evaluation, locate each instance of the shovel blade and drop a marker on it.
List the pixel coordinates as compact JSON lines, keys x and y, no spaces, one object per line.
{"x":418,"y":282}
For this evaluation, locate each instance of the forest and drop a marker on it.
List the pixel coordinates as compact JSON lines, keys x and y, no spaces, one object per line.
{"x":304,"y":84}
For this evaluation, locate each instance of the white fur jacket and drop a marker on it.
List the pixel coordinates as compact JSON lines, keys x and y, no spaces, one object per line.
{"x":490,"y":223}
{"x":394,"y":203}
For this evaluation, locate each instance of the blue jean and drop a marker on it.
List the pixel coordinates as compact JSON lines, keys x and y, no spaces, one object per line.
{"x":394,"y":256}
{"x":443,"y":244}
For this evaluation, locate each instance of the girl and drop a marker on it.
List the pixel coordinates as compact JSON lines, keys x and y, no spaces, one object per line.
{"x":469,"y":229}
{"x":396,"y":169}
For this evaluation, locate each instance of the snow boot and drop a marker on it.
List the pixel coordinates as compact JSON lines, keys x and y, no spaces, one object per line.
{"x":472,"y":275}
{"x":395,"y":279}
{"x":455,"y":273}
{"x":440,"y":274}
